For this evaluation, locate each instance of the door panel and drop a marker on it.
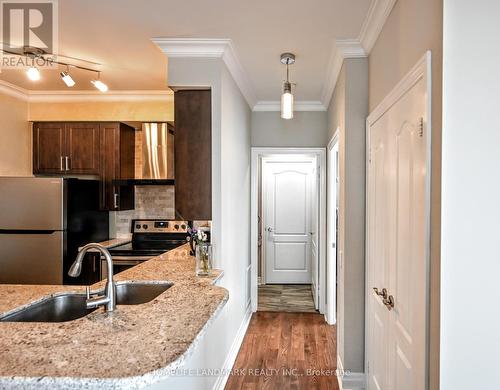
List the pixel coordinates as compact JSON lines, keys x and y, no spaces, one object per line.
{"x":82,"y":148}
{"x":31,"y":258}
{"x":48,"y":148}
{"x":287,"y":218}
{"x":397,"y":244}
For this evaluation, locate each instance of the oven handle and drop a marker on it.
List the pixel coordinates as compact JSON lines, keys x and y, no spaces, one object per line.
{"x":125,"y":260}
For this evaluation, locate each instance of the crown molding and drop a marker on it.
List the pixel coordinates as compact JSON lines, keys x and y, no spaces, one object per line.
{"x":210,"y":48}
{"x":348,"y":48}
{"x":300,"y":105}
{"x":14,"y":91}
{"x":64,"y":96}
{"x":374,"y":22}
{"x":360,"y":47}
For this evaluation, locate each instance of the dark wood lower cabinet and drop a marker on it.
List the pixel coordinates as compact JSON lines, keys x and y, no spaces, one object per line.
{"x":193,"y":154}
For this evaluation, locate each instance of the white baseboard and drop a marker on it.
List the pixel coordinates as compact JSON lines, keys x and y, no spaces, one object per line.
{"x":233,"y":352}
{"x":351,"y":380}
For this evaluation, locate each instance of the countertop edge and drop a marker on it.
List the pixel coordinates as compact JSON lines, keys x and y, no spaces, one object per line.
{"x":131,"y":382}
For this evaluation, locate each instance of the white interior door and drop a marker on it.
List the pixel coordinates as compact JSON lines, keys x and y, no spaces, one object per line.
{"x":398,"y":240}
{"x":287,"y":220}
{"x":331,"y":269}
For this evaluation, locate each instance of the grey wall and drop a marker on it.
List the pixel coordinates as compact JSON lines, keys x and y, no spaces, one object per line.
{"x":347,"y":112}
{"x":306,"y":129}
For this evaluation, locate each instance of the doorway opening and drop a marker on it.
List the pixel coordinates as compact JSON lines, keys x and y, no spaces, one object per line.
{"x":288,"y":230}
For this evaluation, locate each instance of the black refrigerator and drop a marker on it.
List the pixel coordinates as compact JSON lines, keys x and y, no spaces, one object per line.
{"x":43,"y":222}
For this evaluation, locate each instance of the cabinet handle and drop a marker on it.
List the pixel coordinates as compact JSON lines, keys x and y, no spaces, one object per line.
{"x":115,"y":200}
{"x":67,"y":162}
{"x":62,"y":163}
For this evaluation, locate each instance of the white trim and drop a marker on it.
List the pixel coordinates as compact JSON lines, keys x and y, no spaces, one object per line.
{"x":352,"y":381}
{"x":257,"y":154}
{"x":300,"y":105}
{"x":221,"y":381}
{"x":372,"y":26}
{"x":355,"y":48}
{"x":342,"y":49}
{"x":63,"y":96}
{"x":210,"y":48}
{"x":422,"y":70}
{"x":330,"y":312}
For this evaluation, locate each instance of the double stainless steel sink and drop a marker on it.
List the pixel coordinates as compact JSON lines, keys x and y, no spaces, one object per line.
{"x":71,"y":306}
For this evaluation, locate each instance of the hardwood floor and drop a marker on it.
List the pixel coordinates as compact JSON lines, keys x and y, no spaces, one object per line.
{"x":286,"y":351}
{"x":286,"y":297}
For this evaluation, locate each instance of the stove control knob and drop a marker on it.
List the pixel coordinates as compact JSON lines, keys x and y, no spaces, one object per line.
{"x":144,"y":226}
{"x":176,"y":227}
{"x":183,"y":227}
{"x":137,"y":226}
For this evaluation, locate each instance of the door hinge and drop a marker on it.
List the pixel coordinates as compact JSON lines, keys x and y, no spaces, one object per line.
{"x":421,"y":127}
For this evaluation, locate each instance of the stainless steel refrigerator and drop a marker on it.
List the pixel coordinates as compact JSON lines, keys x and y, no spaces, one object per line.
{"x":43,"y":221}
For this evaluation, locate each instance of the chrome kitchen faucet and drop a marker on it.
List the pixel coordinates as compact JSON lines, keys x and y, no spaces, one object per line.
{"x":109,"y":299}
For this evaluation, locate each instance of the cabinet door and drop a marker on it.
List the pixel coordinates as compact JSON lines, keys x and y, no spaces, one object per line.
{"x":82,"y":148}
{"x":48,"y":147}
{"x":193,"y":155}
{"x":117,"y":162}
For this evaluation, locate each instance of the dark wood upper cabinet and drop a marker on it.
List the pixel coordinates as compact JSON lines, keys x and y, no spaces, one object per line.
{"x":82,"y":148}
{"x":99,"y":149}
{"x":48,"y":148}
{"x":193,"y":154}
{"x":117,"y":143}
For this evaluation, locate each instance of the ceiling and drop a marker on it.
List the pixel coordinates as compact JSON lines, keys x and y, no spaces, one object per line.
{"x":117,"y":34}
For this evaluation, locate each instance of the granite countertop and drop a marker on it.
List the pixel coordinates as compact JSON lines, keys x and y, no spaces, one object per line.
{"x":132,"y":347}
{"x":114,"y":242}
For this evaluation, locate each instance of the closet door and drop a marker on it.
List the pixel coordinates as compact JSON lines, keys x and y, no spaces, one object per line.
{"x":398,"y":223}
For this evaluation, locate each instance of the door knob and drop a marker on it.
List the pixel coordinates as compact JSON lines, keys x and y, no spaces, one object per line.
{"x":389,"y":302}
{"x":270,"y":229}
{"x":382,"y":294}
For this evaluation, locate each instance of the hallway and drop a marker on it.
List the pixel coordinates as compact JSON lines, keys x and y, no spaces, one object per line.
{"x":280,"y":350}
{"x":294,"y":298}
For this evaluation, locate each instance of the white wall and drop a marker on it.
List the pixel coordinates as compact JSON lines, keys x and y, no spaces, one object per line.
{"x":470,"y":259}
{"x":230,"y":187}
{"x":306,"y":129}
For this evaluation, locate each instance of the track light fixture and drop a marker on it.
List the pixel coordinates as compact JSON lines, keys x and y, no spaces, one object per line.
{"x":33,"y":73}
{"x":68,"y":80}
{"x":99,"y":84}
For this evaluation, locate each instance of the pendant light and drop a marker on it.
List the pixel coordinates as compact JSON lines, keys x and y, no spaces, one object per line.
{"x":287,"y":96}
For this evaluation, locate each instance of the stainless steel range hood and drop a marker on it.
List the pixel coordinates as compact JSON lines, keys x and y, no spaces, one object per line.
{"x":157,"y":151}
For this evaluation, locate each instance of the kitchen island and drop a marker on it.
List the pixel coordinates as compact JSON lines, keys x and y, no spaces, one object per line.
{"x":135,"y":346}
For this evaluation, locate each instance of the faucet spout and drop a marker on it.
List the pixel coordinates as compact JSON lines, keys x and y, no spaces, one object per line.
{"x":109,"y":299}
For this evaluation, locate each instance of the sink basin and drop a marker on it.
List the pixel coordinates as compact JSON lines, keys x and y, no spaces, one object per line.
{"x":60,"y":308}
{"x":136,"y":293}
{"x":68,"y":307}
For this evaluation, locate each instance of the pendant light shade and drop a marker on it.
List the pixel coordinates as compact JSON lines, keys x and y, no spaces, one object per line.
{"x":287,"y":102}
{"x":287,"y":96}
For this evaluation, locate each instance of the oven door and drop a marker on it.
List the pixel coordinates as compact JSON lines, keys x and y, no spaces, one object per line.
{"x":121,"y":263}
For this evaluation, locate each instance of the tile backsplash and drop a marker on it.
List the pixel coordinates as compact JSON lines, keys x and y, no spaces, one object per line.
{"x":150,"y":202}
